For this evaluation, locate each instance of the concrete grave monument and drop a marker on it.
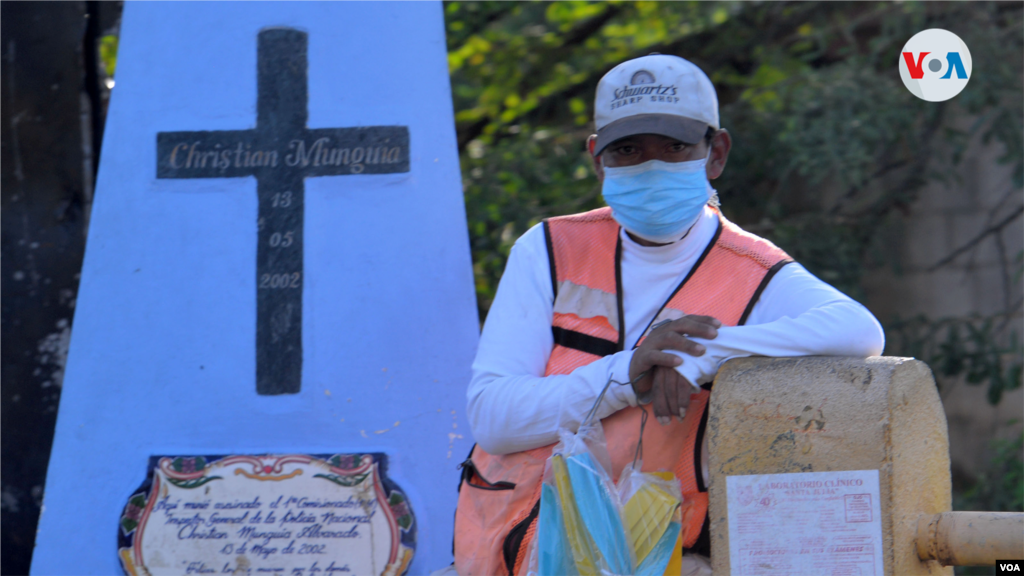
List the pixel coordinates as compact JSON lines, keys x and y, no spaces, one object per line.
{"x":276,"y":316}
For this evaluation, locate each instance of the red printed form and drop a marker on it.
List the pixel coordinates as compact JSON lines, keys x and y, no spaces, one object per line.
{"x":809,"y":523}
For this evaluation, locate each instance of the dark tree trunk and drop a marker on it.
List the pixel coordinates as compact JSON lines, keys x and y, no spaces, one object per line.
{"x":48,"y":156}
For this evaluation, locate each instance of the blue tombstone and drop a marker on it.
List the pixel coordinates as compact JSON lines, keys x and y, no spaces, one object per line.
{"x":276,"y":314}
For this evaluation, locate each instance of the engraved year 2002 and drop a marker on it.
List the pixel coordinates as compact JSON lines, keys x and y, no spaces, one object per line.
{"x":285,"y":280}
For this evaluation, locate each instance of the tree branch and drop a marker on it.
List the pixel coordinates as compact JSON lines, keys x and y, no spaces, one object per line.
{"x":906,"y":192}
{"x":853,"y":190}
{"x":531,"y":77}
{"x":977,"y":239}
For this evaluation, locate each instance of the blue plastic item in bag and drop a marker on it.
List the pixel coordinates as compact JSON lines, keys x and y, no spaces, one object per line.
{"x":599,"y":514}
{"x":656,"y":562}
{"x":553,"y":557}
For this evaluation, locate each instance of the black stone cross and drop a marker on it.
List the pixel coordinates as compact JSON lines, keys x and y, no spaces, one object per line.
{"x":280,"y":152}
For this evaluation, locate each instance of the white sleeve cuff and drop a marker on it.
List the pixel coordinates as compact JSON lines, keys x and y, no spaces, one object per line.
{"x":620,"y":393}
{"x":693,"y":369}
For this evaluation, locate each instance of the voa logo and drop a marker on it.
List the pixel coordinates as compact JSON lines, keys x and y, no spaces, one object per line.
{"x":1008,"y":566}
{"x":935,"y":65}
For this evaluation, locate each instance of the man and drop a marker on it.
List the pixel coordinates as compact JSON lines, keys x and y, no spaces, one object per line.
{"x":654,"y":293}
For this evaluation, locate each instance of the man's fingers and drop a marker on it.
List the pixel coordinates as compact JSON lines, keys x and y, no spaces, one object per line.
{"x":656,"y":358}
{"x":690,"y":326}
{"x":671,"y":387}
{"x":683,"y":391}
{"x":675,"y":341}
{"x":659,"y":406}
{"x":671,"y":395}
{"x":670,"y":392}
{"x":706,"y":320}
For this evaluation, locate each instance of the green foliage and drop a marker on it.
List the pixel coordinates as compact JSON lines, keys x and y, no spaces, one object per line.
{"x":511,"y":185}
{"x":970,"y":347}
{"x":514,"y":60}
{"x":108,"y":53}
{"x":1001,"y":488}
{"x":830,"y":150}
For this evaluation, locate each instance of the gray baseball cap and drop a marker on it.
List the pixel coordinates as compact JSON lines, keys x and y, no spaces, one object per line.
{"x":655,"y":94}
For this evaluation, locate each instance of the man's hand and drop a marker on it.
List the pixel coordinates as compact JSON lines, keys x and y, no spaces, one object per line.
{"x":671,"y":392}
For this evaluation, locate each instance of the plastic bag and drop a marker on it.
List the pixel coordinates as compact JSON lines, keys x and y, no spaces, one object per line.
{"x":652,"y":504}
{"x":589,"y":468}
{"x":580,"y":503}
{"x":590,"y":526}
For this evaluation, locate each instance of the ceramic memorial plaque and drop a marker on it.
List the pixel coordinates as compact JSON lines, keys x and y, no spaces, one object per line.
{"x":277,"y":272}
{"x":285,"y":514}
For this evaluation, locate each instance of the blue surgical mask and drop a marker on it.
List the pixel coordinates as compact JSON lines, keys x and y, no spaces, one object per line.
{"x":658,"y":201}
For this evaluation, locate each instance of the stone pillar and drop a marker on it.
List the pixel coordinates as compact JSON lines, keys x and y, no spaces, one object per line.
{"x":818,"y":414}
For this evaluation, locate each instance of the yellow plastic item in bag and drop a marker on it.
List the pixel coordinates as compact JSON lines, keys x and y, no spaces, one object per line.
{"x":648,"y":513}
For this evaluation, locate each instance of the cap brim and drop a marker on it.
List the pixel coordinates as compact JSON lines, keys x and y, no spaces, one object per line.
{"x":686,"y":130}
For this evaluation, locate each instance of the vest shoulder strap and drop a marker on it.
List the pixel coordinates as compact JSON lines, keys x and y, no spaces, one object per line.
{"x":730,"y":278}
{"x":727,"y":279}
{"x":581,"y":249}
{"x":750,"y":246}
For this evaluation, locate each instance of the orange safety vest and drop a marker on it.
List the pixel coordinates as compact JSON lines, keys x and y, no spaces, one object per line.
{"x":499,"y":496}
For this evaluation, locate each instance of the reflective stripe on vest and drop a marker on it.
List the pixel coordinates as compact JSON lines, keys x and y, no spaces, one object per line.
{"x":494,"y":527}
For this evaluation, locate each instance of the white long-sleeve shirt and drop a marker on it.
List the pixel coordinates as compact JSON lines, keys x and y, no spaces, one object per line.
{"x":514,"y":407}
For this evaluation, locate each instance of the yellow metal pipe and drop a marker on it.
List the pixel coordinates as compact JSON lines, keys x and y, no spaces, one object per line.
{"x":970,"y":538}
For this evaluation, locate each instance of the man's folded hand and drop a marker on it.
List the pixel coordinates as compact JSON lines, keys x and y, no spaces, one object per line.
{"x":660,"y":383}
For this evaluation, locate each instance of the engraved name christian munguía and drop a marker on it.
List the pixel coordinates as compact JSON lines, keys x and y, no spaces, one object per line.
{"x":281,"y":152}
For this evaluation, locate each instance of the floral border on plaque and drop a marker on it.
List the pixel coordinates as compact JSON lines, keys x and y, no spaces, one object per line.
{"x":192,"y":472}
